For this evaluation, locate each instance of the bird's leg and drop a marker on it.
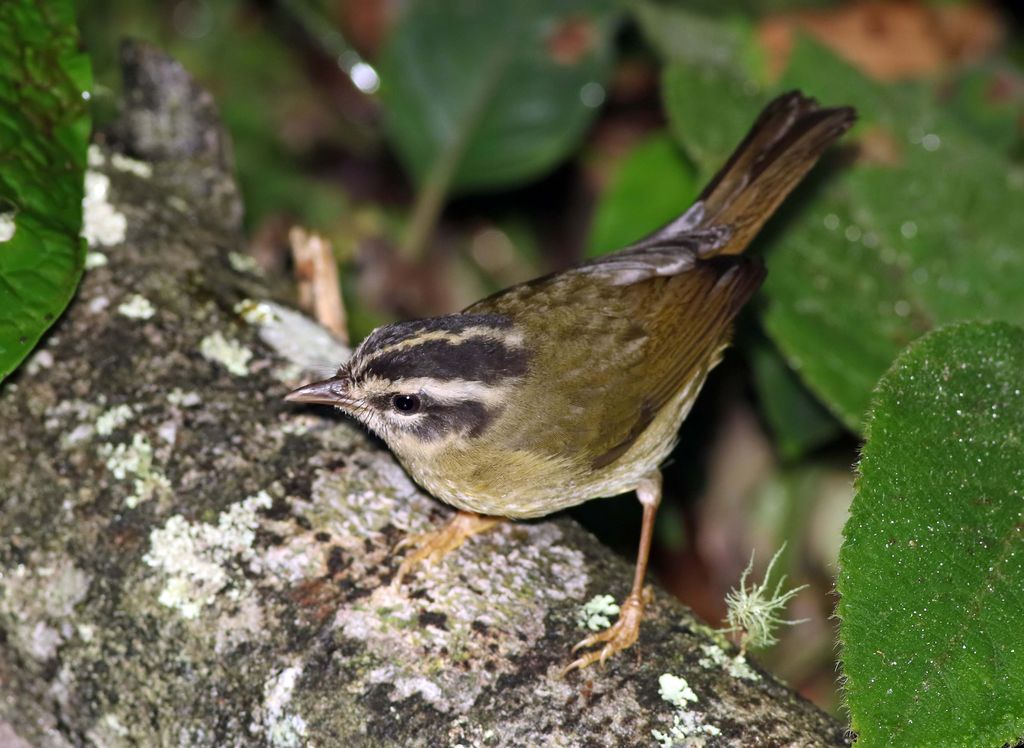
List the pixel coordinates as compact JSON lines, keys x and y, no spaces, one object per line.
{"x":624,"y":632}
{"x":434,"y":545}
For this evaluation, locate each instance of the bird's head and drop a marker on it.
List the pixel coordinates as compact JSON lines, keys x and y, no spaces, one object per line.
{"x":426,"y":383}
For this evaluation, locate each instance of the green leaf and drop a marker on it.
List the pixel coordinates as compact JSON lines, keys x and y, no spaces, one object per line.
{"x":710,"y":110}
{"x":719,"y":36}
{"x":800,"y":423}
{"x":653,"y":185}
{"x":933,"y":557}
{"x":863,"y":260}
{"x":989,"y":101}
{"x":488,"y":94}
{"x":888,"y":251}
{"x":44,"y":132}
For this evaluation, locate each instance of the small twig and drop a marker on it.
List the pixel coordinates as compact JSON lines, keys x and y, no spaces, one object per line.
{"x":317,"y":275}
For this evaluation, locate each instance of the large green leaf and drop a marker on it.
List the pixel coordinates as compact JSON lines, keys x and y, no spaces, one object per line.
{"x":924,"y":230}
{"x":718,"y":35}
{"x":887,"y":251}
{"x":933,"y":559}
{"x":710,"y":110}
{"x":487,"y":94}
{"x":44,"y":132}
{"x":653,"y":185}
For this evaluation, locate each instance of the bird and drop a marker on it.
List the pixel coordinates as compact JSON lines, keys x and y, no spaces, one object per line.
{"x":572,"y":386}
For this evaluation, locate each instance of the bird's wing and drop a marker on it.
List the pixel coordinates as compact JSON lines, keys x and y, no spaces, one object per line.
{"x":608,"y":355}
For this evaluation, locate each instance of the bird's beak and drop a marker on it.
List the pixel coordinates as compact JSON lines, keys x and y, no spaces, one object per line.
{"x":333,"y":391}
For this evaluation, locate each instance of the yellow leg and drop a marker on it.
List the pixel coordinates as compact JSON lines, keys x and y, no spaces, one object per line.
{"x":624,"y":632}
{"x":432,"y":546}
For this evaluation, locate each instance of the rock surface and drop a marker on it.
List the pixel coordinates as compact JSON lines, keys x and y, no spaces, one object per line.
{"x":186,"y":560}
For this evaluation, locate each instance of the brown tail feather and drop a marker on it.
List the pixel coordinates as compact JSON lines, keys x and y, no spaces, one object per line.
{"x":785,"y":142}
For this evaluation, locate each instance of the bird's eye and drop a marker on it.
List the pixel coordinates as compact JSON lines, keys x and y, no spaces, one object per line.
{"x":406,"y":404}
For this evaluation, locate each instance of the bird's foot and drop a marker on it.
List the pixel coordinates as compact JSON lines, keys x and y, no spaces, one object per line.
{"x":431,"y":547}
{"x":621,"y":635}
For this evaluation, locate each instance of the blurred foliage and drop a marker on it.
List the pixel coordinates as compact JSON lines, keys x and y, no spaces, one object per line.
{"x":933,"y":650}
{"x":44,"y":131}
{"x":798,"y":421}
{"x":904,"y":248}
{"x":451,"y":148}
{"x":493,"y":94}
{"x":262,"y":88}
{"x":486,"y":95}
{"x":650,"y":184}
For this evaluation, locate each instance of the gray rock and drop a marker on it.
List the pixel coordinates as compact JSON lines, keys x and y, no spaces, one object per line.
{"x":185,"y":560}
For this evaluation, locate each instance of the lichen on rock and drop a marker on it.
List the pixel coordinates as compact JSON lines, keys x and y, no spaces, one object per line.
{"x":188,"y":560}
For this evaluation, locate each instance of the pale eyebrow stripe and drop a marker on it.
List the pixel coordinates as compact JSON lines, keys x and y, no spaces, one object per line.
{"x":443,"y":391}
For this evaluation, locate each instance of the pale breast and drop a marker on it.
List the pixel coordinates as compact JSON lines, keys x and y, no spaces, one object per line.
{"x":522,"y":485}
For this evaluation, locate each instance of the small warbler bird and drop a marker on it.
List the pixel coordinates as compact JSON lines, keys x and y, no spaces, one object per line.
{"x":572,"y":386}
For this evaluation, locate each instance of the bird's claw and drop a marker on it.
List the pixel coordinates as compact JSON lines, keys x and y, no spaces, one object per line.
{"x":432,"y":546}
{"x":621,"y":635}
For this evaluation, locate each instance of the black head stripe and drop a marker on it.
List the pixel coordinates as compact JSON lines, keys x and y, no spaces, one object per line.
{"x":470,"y":418}
{"x":437,"y":420}
{"x":478,"y":359}
{"x":389,"y":335}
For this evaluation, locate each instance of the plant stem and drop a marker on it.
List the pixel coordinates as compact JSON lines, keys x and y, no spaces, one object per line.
{"x":431,"y":197}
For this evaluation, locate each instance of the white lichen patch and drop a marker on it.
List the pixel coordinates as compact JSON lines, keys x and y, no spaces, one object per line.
{"x":115,"y":725}
{"x":180,"y":398}
{"x":129,"y":459}
{"x":351,"y":506}
{"x":7,"y":227}
{"x":243,"y":624}
{"x":108,"y":730}
{"x":114,"y":418}
{"x":675,"y":690}
{"x":244,"y":263}
{"x":288,"y":373}
{"x":484,"y":603}
{"x":136,"y":307}
{"x":257,"y":312}
{"x":503,"y":581}
{"x":281,"y":727}
{"x":135,"y":461}
{"x":201,"y":559}
{"x":98,"y":304}
{"x":302,"y":557}
{"x":74,"y":419}
{"x":95,"y":260}
{"x":38,"y":599}
{"x":133,"y":166}
{"x":227,"y":352}
{"x":373,"y":493}
{"x":714,"y":656}
{"x":102,"y":223}
{"x":689,"y":727}
{"x":294,"y":336}
{"x":96,"y":156}
{"x":38,"y":361}
{"x":595,"y":613}
{"x":738,"y":667}
{"x":168,"y":431}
